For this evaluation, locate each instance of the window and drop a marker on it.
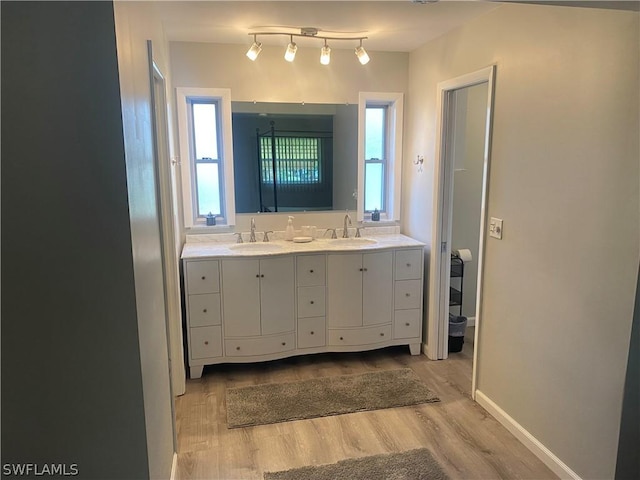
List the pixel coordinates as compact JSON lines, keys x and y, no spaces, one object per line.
{"x":379,"y":155}
{"x":206,"y":151}
{"x":297,"y":160}
{"x":375,"y":157}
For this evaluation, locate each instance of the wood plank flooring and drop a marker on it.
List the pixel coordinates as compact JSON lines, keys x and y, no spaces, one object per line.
{"x":466,"y":441}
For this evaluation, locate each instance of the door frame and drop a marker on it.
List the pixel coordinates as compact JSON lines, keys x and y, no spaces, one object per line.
{"x":165,"y":196}
{"x":438,"y":324}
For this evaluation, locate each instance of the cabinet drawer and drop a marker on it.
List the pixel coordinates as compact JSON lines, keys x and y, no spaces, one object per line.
{"x":204,"y":310}
{"x":203,"y":277}
{"x":406,"y":323}
{"x":408,"y":264}
{"x":407,"y":294}
{"x":312,"y":332}
{"x":310,"y":270}
{"x":360,"y":336}
{"x":206,"y":342}
{"x":245,"y":347}
{"x":310,"y":302}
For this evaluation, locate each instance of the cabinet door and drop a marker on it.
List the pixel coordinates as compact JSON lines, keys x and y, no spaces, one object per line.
{"x":241,"y":297}
{"x":377,"y":288}
{"x":344,"y":290}
{"x":277,"y":291}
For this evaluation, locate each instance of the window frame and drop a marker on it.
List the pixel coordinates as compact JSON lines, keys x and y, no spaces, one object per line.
{"x":222,"y":98}
{"x":393,"y":101}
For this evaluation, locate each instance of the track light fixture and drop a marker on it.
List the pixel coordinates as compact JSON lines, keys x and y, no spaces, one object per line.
{"x":325,"y":54}
{"x":308,"y":32}
{"x":255,"y":49}
{"x":362,"y":55}
{"x":292,"y":48}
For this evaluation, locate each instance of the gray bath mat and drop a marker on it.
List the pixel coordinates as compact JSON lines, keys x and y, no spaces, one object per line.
{"x":320,"y":397}
{"x":412,"y":465}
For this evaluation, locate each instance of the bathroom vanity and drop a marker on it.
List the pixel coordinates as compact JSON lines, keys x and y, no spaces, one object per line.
{"x":260,"y":301}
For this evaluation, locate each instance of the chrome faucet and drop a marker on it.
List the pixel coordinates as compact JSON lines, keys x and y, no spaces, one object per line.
{"x":252,"y":235}
{"x":345,"y":230}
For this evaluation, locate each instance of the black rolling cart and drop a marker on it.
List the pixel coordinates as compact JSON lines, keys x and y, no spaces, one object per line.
{"x":457,"y":323}
{"x":457,"y":272}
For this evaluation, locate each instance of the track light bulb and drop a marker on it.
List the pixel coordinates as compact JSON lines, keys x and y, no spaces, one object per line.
{"x":325,"y":54}
{"x":255,"y":49}
{"x":362,"y":55}
{"x":290,"y":54}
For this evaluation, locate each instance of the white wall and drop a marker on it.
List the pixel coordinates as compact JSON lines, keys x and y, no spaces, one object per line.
{"x":134,"y":26}
{"x":271,"y":79}
{"x":559,"y":287}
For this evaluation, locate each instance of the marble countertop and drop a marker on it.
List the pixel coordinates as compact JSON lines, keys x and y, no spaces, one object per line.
{"x":212,"y":248}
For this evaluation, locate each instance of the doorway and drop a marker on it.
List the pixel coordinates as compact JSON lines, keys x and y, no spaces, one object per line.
{"x":460,"y":200}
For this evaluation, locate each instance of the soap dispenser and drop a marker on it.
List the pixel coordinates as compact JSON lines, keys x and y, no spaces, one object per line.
{"x":289,"y":233}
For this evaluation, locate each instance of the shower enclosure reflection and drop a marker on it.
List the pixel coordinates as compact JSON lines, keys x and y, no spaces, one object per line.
{"x":294,"y":157}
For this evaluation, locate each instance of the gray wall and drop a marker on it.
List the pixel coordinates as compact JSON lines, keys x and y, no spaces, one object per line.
{"x":345,"y":154}
{"x":72,"y":389}
{"x":559,"y":287}
{"x":628,"y":466}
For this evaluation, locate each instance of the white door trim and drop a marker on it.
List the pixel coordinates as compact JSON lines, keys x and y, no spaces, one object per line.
{"x":167,"y":216}
{"x":438,"y":324}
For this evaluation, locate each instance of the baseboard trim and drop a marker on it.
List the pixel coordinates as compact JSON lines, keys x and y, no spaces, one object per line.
{"x":174,"y":466}
{"x":528,"y":440}
{"x":471,"y":321}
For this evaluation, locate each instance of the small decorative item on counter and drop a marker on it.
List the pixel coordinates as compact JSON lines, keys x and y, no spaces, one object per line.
{"x":375,"y":215}
{"x":289,"y":232}
{"x":211,"y":220}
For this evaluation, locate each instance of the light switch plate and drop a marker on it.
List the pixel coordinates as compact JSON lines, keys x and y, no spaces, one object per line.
{"x":495,"y":228}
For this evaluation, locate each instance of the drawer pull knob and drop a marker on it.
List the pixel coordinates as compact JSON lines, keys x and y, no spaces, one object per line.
{"x":407,"y":324}
{"x":381,"y":334}
{"x":206,"y":342}
{"x":261,"y":276}
{"x":284,"y":343}
{"x":310,"y":271}
{"x":407,"y":294}
{"x":312,"y":332}
{"x":311,"y":302}
{"x":257,"y":275}
{"x":366,"y":269}
{"x":203,"y":277}
{"x":237,"y":348}
{"x":341,"y":338}
{"x":408,"y":264}
{"x":204,"y":310}
{"x":362,"y":269}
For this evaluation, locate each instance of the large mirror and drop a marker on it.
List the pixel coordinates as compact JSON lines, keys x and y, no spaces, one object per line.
{"x":294,"y":157}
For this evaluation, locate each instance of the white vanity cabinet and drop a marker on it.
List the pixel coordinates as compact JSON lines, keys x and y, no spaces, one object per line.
{"x":204,"y":332}
{"x":258,"y":306}
{"x":360,"y":289}
{"x":375,"y":299}
{"x":258,"y":296}
{"x":249,"y":308}
{"x":311,"y":301}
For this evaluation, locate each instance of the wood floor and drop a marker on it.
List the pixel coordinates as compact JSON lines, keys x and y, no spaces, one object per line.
{"x":466,"y":441}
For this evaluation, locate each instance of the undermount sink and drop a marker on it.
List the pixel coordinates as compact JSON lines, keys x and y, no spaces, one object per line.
{"x":256,"y":247}
{"x":353,"y":242}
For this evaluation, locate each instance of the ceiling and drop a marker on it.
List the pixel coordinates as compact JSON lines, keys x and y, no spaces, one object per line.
{"x":399,"y":25}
